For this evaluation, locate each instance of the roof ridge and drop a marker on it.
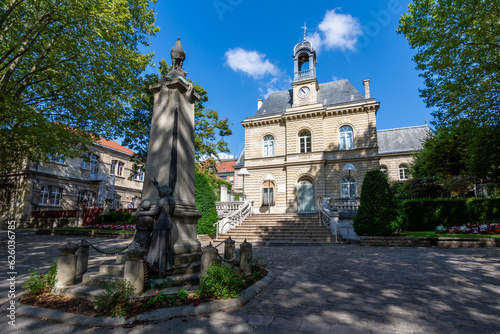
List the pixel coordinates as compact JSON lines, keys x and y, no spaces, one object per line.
{"x":405,"y":127}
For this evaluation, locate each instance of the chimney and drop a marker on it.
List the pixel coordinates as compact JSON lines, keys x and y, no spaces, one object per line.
{"x":366,"y":83}
{"x":259,"y":103}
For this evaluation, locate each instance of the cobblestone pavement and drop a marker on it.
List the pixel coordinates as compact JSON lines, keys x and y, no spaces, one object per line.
{"x":325,"y":289}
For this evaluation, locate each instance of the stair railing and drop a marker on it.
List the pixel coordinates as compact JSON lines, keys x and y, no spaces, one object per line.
{"x":328,"y":218}
{"x":234,"y":219}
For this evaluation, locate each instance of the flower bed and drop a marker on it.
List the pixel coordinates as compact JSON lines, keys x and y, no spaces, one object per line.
{"x":470,"y":229}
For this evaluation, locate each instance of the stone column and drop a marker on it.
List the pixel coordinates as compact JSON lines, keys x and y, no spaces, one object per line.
{"x":229,"y":249}
{"x":82,"y":261}
{"x":223,"y":193}
{"x":246,"y":257}
{"x":171,"y":141}
{"x":209,"y":256}
{"x":66,"y":266}
{"x":366,"y":83}
{"x":134,"y":270}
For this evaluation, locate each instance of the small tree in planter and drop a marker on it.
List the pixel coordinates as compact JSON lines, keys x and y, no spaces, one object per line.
{"x":377,"y":213}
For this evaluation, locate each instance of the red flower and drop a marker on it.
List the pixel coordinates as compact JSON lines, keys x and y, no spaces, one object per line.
{"x":196,"y":302}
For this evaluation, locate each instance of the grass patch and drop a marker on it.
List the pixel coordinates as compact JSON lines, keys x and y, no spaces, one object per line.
{"x":432,"y":234}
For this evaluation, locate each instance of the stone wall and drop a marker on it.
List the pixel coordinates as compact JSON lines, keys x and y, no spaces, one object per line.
{"x":392,"y":163}
{"x":429,"y":242}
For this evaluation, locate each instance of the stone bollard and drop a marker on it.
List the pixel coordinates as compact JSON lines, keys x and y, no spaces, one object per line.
{"x":246,"y":257}
{"x":66,"y":265}
{"x":229,"y":250}
{"x":134,"y":270}
{"x":209,"y":256}
{"x":82,"y":261}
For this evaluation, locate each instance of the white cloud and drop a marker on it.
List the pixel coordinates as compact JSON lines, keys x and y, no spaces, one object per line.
{"x":252,"y":63}
{"x":338,"y":31}
{"x":315,"y":40}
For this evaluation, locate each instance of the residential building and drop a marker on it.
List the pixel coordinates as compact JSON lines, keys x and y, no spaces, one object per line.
{"x":68,"y":184}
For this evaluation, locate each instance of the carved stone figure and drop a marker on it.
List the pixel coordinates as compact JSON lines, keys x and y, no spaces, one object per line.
{"x":178,"y":55}
{"x":160,"y":253}
{"x":143,"y":227}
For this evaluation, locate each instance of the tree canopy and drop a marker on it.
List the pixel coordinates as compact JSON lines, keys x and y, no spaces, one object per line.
{"x":210,"y":130}
{"x":67,"y":72}
{"x":458,"y":54}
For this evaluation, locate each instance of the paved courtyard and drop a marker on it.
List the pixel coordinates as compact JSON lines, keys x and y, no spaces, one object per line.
{"x":324,"y":289}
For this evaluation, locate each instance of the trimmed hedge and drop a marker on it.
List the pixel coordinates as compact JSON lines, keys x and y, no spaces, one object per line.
{"x":116,"y":218}
{"x":426,"y":214}
{"x":205,"y":196}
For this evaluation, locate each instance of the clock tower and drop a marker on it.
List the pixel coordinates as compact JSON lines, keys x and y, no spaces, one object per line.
{"x":305,"y":85}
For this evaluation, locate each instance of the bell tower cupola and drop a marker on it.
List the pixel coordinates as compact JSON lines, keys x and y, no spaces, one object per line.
{"x":305,"y":84}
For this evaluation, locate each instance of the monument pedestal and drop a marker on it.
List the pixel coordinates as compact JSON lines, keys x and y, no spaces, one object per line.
{"x":171,"y":157}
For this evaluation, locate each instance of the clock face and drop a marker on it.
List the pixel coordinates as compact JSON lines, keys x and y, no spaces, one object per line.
{"x":304,"y":92}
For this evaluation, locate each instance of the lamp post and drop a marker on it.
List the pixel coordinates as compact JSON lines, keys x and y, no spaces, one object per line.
{"x":349,"y":167}
{"x":269,"y":178}
{"x":243,"y":172}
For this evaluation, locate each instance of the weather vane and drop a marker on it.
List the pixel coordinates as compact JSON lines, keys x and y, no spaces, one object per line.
{"x":305,"y":29}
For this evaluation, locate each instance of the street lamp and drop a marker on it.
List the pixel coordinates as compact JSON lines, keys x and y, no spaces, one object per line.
{"x":269,"y":178}
{"x":243,"y":172}
{"x":349,"y":167}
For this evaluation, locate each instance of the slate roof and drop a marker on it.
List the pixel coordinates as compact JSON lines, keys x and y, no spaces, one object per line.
{"x":241,"y":160}
{"x":402,"y":139}
{"x":335,"y":92}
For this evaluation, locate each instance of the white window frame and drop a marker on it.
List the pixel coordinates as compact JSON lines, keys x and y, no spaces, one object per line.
{"x":94,"y":162}
{"x":305,"y":141}
{"x":45,"y":195}
{"x":117,"y":199}
{"x":55,"y":196}
{"x":268,"y":146}
{"x":384,"y":170}
{"x":349,"y":184}
{"x":139,"y":176}
{"x":85,"y":163}
{"x":346,"y":138}
{"x":403,"y":172}
{"x":268,"y":189}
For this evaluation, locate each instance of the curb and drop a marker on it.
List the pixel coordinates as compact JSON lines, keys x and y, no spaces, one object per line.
{"x":160,"y":314}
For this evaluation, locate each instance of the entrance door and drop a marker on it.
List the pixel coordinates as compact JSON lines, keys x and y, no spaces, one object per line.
{"x":305,"y":195}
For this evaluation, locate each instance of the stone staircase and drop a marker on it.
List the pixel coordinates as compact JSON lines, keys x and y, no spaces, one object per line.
{"x":90,"y":285}
{"x":282,"y":229}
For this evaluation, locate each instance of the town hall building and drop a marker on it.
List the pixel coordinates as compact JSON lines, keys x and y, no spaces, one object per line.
{"x":317,"y":140}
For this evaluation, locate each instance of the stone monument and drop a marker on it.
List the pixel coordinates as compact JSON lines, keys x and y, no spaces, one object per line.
{"x":170,"y":160}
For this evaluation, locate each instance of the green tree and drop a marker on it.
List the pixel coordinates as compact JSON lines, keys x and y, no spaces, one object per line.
{"x":67,"y":71}
{"x":209,"y":129}
{"x":458,"y":53}
{"x":378,"y":210}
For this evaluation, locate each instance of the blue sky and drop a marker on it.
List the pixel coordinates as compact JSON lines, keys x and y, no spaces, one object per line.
{"x":241,"y":50}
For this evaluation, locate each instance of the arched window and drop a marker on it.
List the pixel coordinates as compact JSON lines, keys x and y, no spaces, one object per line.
{"x":305,"y":141}
{"x":268,"y":193}
{"x":383,"y":169}
{"x":348,"y":187}
{"x":268,"y":146}
{"x":346,"y":138}
{"x":403,"y":172}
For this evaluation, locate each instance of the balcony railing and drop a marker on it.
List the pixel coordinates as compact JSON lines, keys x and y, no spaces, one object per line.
{"x":302,"y":75}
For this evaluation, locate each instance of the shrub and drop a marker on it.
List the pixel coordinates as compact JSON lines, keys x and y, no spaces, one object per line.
{"x":205,"y":193}
{"x":161,"y":298}
{"x":377,"y":213}
{"x":38,"y":283}
{"x":427,"y":214}
{"x":484,"y":209}
{"x":220,"y":282}
{"x":116,"y":298}
{"x":116,"y":218}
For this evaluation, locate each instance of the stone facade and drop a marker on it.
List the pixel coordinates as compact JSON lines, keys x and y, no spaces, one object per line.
{"x":301,"y":142}
{"x":62,"y":183}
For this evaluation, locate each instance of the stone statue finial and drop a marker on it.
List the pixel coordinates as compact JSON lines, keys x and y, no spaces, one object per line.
{"x":178,"y":55}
